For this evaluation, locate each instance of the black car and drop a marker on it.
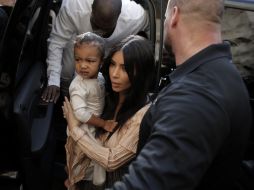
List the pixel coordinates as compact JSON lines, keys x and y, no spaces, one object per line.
{"x":32,"y":133}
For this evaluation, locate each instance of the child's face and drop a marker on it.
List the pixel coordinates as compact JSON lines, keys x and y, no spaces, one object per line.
{"x":87,"y":60}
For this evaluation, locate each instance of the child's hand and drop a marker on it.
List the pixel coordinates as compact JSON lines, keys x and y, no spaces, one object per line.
{"x":109,"y":125}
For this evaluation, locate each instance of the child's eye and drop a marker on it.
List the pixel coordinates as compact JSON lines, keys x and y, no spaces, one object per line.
{"x":77,"y":59}
{"x":91,"y":60}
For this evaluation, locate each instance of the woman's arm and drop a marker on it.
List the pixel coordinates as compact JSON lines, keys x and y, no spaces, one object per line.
{"x":107,"y":125}
{"x":110,"y":158}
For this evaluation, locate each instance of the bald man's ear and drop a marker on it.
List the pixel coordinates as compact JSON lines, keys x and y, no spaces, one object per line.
{"x":174,"y":17}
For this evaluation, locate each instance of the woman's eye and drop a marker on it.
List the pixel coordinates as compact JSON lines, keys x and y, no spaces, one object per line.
{"x":112,"y":64}
{"x":123,"y":67}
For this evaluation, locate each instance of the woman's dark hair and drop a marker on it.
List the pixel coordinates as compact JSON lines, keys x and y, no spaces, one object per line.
{"x":140,"y":66}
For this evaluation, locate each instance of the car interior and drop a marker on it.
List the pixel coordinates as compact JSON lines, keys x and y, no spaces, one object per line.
{"x":33,"y":133}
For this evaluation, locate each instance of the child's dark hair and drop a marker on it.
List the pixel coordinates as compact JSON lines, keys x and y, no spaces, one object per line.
{"x":139,"y":64}
{"x":91,"y":38}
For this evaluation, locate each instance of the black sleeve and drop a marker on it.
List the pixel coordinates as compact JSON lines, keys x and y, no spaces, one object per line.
{"x":183,"y":142}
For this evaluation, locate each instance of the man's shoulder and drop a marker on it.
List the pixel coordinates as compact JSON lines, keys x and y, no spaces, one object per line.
{"x":131,"y":10}
{"x":77,"y":5}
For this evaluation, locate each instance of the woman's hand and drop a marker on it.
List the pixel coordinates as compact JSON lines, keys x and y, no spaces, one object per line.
{"x":69,"y":115}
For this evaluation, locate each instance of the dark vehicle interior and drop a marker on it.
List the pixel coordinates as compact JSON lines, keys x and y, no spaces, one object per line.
{"x":32,"y":134}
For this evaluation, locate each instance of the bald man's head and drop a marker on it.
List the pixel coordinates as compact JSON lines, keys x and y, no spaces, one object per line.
{"x":211,"y":10}
{"x":104,"y":16}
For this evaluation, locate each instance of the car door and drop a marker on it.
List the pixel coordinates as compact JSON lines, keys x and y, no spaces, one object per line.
{"x":23,"y":73}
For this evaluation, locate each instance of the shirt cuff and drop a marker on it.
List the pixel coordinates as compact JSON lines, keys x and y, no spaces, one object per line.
{"x":53,"y":80}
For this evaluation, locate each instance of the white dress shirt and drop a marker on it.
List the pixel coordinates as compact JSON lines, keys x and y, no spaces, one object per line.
{"x":73,"y":19}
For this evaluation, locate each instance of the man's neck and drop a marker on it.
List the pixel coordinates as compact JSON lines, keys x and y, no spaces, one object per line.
{"x":192,"y":43}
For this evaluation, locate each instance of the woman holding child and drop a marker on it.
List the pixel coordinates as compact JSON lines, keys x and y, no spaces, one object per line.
{"x":129,"y":75}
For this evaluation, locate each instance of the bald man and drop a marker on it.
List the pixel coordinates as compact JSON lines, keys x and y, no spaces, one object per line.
{"x":112,"y":19}
{"x":195,"y":132}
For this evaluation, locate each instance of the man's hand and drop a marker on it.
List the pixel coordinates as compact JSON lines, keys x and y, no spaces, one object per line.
{"x":51,"y":94}
{"x":110,"y":125}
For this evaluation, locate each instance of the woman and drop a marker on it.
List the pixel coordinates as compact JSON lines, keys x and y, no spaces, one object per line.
{"x":129,"y":75}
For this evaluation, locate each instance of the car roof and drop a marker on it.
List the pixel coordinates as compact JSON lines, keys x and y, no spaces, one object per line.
{"x":240,"y":4}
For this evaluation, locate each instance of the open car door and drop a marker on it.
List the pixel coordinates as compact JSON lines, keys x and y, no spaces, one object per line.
{"x":26,"y":124}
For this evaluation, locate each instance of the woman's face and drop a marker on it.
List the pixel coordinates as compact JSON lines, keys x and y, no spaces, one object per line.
{"x":118,"y":76}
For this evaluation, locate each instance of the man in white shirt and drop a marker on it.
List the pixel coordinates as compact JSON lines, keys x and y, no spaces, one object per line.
{"x":112,"y":19}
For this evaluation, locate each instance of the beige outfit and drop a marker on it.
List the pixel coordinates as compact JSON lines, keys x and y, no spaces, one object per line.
{"x":117,"y":150}
{"x":87,"y":98}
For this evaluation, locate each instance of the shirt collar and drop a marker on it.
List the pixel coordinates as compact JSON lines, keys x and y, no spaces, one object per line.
{"x":214,"y":51}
